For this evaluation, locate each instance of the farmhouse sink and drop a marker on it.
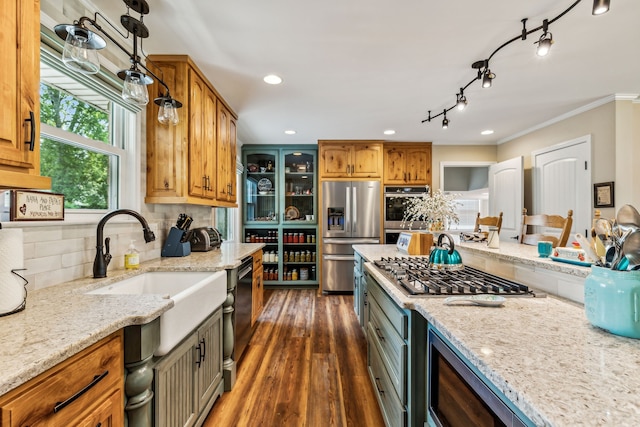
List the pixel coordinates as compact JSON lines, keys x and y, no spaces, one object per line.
{"x":195,"y":294}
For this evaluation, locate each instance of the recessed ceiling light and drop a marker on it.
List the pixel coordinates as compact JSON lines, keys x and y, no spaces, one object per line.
{"x":290,"y":132}
{"x":389,"y":132}
{"x":272,"y":79}
{"x":487,"y":132}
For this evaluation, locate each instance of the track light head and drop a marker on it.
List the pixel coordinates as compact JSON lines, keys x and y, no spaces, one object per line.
{"x":544,"y":44}
{"x":445,"y":121}
{"x":600,"y":7}
{"x":462,"y":102}
{"x":488,"y":78}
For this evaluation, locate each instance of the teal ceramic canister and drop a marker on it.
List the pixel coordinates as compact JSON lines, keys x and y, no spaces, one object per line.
{"x":612,"y":300}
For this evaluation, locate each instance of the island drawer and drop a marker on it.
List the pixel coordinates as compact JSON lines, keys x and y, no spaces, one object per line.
{"x":392,"y":348}
{"x":393,"y":411}
{"x":396,"y":316}
{"x":62,"y":395}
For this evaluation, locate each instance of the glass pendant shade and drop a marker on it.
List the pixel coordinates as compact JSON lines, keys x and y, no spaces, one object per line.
{"x":78,"y":54}
{"x":134,"y":89}
{"x":167,"y":113}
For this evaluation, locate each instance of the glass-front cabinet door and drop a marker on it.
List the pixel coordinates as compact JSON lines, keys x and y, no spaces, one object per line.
{"x":299,"y":187}
{"x":261,"y":187}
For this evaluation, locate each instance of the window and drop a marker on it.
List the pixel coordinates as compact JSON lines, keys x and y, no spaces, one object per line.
{"x":87,"y":135}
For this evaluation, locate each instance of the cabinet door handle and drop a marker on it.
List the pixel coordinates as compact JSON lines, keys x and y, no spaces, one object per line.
{"x":379,"y":334}
{"x":32,"y":140}
{"x":379,"y":387}
{"x":204,"y":349}
{"x":61,"y":405}
{"x":405,"y":176}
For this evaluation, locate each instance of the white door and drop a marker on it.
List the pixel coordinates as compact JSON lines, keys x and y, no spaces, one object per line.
{"x":562,"y":181}
{"x":506,"y":184}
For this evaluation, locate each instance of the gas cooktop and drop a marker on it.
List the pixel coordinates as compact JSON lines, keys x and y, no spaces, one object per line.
{"x":415,"y":277}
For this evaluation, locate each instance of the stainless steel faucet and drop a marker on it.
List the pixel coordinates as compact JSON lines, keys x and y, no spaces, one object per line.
{"x":102,"y":259}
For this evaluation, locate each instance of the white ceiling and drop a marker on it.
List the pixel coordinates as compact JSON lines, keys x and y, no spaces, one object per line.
{"x":352,"y":69}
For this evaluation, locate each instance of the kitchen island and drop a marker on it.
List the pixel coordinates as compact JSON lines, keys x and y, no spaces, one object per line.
{"x":540,"y":353}
{"x":62,"y":320}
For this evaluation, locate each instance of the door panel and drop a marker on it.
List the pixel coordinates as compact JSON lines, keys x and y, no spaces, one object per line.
{"x":336,"y":209}
{"x":562,"y":181}
{"x":366,"y":209}
{"x":506,"y":183}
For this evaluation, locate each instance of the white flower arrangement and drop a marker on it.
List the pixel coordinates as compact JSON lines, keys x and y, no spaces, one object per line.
{"x":434,"y":210}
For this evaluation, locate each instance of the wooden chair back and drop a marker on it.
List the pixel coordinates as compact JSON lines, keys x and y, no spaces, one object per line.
{"x":489,"y":221}
{"x":558,"y":239}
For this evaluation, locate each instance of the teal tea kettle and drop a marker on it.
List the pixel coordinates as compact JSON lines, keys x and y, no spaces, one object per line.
{"x":444,"y":256}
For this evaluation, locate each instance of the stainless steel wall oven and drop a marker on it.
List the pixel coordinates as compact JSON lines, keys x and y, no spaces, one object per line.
{"x":395,"y":201}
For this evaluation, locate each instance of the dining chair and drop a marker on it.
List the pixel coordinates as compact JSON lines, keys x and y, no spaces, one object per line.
{"x":488,"y":221}
{"x":558,"y":238}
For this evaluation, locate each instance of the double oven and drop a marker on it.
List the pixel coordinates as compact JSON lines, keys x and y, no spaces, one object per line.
{"x":395,"y":202}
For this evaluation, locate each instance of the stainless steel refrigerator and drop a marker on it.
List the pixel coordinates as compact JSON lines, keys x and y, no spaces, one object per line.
{"x":350,"y":215}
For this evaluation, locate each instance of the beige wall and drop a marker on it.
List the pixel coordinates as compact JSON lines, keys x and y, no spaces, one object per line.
{"x":458,"y":153}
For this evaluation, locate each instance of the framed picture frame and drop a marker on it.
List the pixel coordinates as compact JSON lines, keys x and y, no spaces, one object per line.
{"x":603,"y":195}
{"x":36,"y":206}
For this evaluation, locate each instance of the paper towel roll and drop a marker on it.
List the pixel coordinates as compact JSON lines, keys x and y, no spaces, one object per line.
{"x":12,"y":291}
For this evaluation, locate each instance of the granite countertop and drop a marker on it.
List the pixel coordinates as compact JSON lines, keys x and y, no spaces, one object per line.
{"x":541,"y":353}
{"x":61,"y":320}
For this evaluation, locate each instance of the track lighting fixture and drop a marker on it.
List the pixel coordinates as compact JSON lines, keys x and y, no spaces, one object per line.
{"x":544,"y":43}
{"x":80,"y":54}
{"x":461,"y":102}
{"x":600,"y":7}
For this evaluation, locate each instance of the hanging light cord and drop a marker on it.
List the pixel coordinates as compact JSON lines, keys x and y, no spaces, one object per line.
{"x":483,"y":65}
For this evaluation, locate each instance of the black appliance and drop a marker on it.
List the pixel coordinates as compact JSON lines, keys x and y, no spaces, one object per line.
{"x":204,"y":239}
{"x":395,"y":202}
{"x":415,"y":277}
{"x":459,"y":397}
{"x":243,"y":301}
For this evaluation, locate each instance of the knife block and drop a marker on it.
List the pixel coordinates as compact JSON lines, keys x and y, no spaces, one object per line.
{"x":174,"y":246}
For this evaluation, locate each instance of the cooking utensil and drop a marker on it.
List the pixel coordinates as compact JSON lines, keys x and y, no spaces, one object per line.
{"x":484,"y":300}
{"x":628,"y":217}
{"x":620,"y":261}
{"x":630,"y":258}
{"x":444,"y":256}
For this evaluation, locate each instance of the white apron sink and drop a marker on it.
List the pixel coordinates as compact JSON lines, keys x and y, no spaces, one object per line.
{"x":195,"y":295}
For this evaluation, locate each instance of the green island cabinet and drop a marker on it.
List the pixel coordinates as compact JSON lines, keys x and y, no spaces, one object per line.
{"x":279,"y":209}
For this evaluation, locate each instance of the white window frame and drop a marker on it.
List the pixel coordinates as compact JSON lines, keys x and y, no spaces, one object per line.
{"x":125,"y":127}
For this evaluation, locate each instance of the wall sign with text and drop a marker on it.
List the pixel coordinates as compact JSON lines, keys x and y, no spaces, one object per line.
{"x":36,"y":206}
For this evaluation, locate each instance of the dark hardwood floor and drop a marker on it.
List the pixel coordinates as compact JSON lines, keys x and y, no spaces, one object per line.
{"x":306,"y":365}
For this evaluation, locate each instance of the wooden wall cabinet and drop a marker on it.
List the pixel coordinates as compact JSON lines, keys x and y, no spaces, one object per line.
{"x":407,"y":164}
{"x":189,"y":163}
{"x":96,"y":375}
{"x":19,"y":97}
{"x":350,"y":159}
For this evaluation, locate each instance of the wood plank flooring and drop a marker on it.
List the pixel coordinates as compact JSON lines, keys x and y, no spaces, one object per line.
{"x":306,"y":365}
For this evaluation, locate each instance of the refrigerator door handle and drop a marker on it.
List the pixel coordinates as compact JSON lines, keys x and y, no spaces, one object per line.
{"x":347,"y":213}
{"x":338,"y":257}
{"x":355,"y":210}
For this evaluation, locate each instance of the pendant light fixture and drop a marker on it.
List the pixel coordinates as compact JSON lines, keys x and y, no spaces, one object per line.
{"x":485,"y":75}
{"x":80,"y":54}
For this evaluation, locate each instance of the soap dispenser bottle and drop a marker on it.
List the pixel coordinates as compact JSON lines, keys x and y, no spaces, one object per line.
{"x":132,"y":258}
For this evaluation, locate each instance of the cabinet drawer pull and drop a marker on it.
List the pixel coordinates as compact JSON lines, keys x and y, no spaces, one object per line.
{"x":379,"y":334}
{"x":379,"y":387}
{"x":201,"y":352}
{"x":61,"y":405}
{"x":32,"y":139}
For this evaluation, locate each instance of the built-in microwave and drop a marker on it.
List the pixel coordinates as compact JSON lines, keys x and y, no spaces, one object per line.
{"x":457,"y":396}
{"x":395,"y":202}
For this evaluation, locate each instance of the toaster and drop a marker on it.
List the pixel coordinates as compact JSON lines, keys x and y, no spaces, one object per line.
{"x":204,"y":239}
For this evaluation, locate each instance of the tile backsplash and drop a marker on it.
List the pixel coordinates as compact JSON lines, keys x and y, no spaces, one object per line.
{"x":59,"y":253}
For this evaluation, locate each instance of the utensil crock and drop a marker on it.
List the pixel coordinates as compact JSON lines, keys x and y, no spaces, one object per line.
{"x":612,"y":300}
